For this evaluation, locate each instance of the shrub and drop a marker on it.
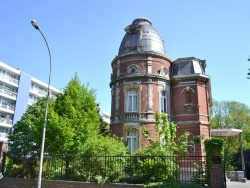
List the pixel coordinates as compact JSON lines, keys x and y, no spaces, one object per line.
{"x":172,"y":184}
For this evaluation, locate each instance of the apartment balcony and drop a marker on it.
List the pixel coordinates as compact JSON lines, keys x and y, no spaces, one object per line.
{"x":38,"y":92}
{"x":7,"y":79}
{"x":8,"y":94}
{"x":4,"y":136}
{"x":7,"y":108}
{"x":32,"y":101}
{"x":6,"y":122}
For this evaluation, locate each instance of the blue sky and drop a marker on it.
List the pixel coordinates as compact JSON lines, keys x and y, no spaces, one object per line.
{"x":84,"y":37}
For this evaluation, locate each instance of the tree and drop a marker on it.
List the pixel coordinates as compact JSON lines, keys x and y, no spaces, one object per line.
{"x":232,"y":114}
{"x":75,"y":118}
{"x":73,"y":121}
{"x":73,"y":128}
{"x":24,"y":142}
{"x":23,"y":139}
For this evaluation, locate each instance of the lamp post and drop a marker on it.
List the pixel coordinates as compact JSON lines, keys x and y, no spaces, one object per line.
{"x":36,"y":26}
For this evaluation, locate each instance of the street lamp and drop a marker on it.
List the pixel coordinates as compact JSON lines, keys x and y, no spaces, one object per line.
{"x":36,"y":26}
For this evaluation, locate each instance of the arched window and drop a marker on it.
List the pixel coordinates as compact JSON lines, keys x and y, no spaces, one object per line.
{"x":132,"y":100}
{"x":188,"y":97}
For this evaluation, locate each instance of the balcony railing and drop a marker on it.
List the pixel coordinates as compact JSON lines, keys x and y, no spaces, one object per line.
{"x":10,"y":93}
{"x":9,"y":107}
{"x":5,"y":120}
{"x":40,"y":92}
{"x":9,"y":79}
{"x":131,"y":115}
{"x":4,"y":135}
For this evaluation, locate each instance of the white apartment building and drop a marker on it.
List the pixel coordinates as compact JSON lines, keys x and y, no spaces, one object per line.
{"x":105,"y":116}
{"x":18,"y":90}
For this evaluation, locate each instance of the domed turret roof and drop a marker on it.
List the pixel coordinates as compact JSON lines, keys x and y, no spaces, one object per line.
{"x":141,"y":36}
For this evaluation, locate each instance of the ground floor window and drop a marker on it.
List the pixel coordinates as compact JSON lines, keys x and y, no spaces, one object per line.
{"x":132,"y":141}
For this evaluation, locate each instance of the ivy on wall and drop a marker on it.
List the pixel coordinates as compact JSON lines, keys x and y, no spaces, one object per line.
{"x":214,"y":147}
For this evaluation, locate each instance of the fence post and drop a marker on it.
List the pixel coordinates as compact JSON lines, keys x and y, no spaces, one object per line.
{"x":217,"y":173}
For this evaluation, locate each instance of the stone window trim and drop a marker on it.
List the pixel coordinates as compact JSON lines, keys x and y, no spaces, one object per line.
{"x":126,"y":89}
{"x":163,"y":101}
{"x":163,"y":72}
{"x":132,"y":128}
{"x":187,"y":88}
{"x":132,"y":69}
{"x":188,"y":92}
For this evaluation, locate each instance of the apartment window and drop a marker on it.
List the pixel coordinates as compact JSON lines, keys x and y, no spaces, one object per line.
{"x":4,"y":130}
{"x":132,"y":141}
{"x":163,"y":103}
{"x":10,"y":75}
{"x":4,"y":102}
{"x":2,"y":71}
{"x":132,"y":101}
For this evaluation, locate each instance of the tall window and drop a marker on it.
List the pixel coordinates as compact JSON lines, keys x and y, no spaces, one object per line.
{"x":132,"y":101}
{"x":163,"y":102}
{"x":188,"y":97}
{"x":133,"y":39}
{"x":132,"y":141}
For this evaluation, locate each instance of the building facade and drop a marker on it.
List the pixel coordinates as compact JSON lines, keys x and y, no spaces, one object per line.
{"x":145,"y":80}
{"x":18,"y":90}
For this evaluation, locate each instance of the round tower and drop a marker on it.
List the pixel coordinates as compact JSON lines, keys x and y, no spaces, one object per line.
{"x":145,"y":81}
{"x":140,"y":83}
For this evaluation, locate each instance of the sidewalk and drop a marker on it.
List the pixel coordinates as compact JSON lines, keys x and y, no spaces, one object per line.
{"x":236,"y":184}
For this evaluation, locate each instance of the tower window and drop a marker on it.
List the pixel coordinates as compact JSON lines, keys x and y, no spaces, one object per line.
{"x":132,"y":101}
{"x":132,"y":141}
{"x":188,"y":97}
{"x":163,"y":102}
{"x":132,"y":69}
{"x":133,"y":39}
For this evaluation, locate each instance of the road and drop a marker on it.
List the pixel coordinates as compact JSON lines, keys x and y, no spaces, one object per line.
{"x":236,"y":184}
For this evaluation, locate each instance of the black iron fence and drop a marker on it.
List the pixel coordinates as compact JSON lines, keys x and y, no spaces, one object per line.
{"x":112,"y":169}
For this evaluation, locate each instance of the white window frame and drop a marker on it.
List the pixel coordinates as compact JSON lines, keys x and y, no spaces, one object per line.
{"x":132,"y":141}
{"x":163,"y":102}
{"x":132,"y":100}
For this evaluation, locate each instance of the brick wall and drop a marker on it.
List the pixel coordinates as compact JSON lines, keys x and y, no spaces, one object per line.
{"x":148,"y":87}
{"x":31,"y":183}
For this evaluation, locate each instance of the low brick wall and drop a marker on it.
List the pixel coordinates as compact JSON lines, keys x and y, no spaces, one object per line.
{"x":31,"y":183}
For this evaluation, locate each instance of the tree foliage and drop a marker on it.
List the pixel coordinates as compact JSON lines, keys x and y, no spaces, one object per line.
{"x":24,"y":140}
{"x":73,"y":125}
{"x":161,"y":150}
{"x":166,"y":142}
{"x":232,"y":114}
